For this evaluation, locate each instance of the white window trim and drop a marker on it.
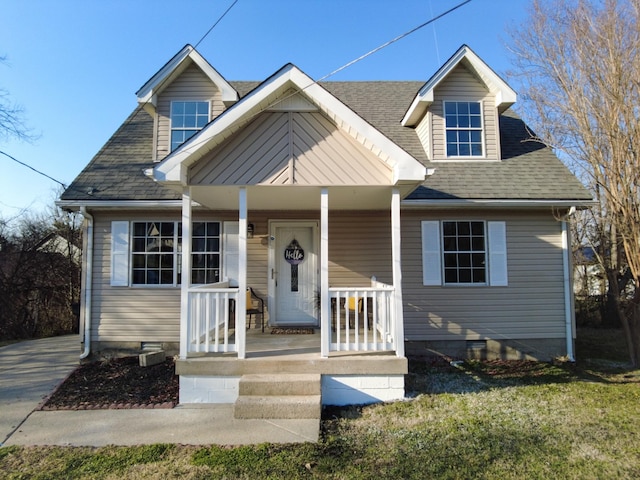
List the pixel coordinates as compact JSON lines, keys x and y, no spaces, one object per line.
{"x":121,"y":274}
{"x":176,"y":256}
{"x":184,"y":100}
{"x":495,"y":248}
{"x":460,"y":158}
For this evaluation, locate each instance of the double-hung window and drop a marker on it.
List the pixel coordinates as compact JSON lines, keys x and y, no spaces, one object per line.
{"x":154,"y":253}
{"x":150,"y":253}
{"x":187,"y":118}
{"x":463,"y":123}
{"x":205,"y":253}
{"x":464,"y":252}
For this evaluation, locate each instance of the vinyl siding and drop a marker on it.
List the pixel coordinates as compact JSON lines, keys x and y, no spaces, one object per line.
{"x":531,"y":306}
{"x":192,"y":84}
{"x":360,"y":246}
{"x":291,"y":148}
{"x":461,"y":85}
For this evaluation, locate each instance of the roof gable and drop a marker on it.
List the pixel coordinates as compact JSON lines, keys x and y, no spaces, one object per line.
{"x":268,"y":95}
{"x":148,"y":93}
{"x":504,"y":94}
{"x":291,"y":147}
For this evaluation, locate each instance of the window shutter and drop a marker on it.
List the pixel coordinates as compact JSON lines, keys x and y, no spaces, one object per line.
{"x":119,"y":254}
{"x":231,"y":252}
{"x":497,"y":254}
{"x":431,"y":255}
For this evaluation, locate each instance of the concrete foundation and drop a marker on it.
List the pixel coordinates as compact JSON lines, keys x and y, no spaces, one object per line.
{"x":539,"y":349}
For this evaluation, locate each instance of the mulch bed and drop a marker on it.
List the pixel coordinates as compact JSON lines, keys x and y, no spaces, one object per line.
{"x":118,"y":383}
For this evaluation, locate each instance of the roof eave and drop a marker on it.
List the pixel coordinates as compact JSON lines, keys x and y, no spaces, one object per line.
{"x":497,"y":203}
{"x":505,"y":95}
{"x":147,"y":94}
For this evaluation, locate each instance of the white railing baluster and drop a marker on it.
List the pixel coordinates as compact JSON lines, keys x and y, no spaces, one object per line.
{"x":208,"y":318}
{"x":352,"y":330}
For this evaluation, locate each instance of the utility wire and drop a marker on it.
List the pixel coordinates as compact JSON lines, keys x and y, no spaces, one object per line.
{"x":352,"y":62}
{"x":394,"y":40}
{"x":34,"y":169}
{"x":216,"y":23}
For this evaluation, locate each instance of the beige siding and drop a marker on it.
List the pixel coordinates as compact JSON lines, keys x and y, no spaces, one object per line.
{"x":192,"y":84}
{"x":531,"y":306}
{"x":461,"y":85}
{"x":360,"y":247}
{"x":123,"y":314}
{"x":423,"y":131}
{"x":291,"y":147}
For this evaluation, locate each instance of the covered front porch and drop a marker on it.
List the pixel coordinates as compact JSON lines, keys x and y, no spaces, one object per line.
{"x":361,"y":316}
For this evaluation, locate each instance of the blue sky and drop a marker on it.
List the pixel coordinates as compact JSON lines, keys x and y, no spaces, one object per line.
{"x":75,"y":65}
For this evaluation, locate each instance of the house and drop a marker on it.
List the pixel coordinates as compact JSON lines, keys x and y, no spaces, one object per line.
{"x":392,"y":218}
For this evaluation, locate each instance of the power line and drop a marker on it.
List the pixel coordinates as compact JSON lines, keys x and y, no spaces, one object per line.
{"x":352,"y":62}
{"x":394,"y":40}
{"x":216,"y":23}
{"x":64,"y":186}
{"x":34,"y":169}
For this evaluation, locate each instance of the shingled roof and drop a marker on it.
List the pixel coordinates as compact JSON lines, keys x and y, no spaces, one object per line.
{"x":528,"y":170}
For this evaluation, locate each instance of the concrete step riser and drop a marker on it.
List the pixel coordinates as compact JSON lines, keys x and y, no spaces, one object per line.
{"x":267,"y":385}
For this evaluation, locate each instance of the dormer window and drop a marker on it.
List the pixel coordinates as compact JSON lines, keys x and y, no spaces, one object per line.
{"x":463,"y":121}
{"x":187,"y":118}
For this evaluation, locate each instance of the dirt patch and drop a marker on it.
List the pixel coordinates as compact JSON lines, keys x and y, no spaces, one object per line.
{"x":118,"y":383}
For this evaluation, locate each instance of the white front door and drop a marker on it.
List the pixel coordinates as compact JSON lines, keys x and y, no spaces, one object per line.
{"x":294,"y":273}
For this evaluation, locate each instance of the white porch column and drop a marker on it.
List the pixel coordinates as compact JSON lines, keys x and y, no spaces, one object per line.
{"x":241,"y":317}
{"x":186,"y":272}
{"x":397,"y":272}
{"x":325,"y":306}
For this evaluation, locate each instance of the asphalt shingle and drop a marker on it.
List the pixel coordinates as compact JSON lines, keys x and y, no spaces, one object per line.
{"x":528,"y":170}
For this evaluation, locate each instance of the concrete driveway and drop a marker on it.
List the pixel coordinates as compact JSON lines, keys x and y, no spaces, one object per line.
{"x":29,"y":372}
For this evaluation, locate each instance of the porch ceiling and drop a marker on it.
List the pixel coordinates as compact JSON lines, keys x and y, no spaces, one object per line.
{"x":290,"y":197}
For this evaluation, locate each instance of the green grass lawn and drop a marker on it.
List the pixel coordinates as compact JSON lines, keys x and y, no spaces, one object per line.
{"x":497,"y":420}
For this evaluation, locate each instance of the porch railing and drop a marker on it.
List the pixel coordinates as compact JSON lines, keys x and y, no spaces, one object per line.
{"x":362,"y":318}
{"x":212,"y":319}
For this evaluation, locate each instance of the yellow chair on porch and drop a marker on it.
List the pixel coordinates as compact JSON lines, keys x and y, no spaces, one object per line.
{"x":255,"y":306}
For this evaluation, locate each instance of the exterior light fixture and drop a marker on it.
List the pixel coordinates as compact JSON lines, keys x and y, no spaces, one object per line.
{"x":250,"y":230}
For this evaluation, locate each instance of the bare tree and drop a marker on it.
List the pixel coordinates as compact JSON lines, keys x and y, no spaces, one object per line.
{"x":40,"y":276}
{"x":579,"y":63}
{"x":11,"y":116}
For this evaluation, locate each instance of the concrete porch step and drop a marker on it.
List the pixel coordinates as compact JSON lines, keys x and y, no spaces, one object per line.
{"x":284,"y":396}
{"x":278,"y":406}
{"x":275,"y":384}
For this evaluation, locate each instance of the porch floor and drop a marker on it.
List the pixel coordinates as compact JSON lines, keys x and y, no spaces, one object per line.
{"x":290,"y":353}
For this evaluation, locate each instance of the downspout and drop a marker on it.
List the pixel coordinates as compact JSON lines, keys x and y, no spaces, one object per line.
{"x":88,"y":281}
{"x":568,"y":293}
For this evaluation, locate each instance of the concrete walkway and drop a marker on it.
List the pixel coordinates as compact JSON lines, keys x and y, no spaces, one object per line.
{"x":29,"y":371}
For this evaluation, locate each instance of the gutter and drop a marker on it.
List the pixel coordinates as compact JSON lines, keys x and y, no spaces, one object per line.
{"x":88,"y":282}
{"x":568,"y":292}
{"x":495,"y":203}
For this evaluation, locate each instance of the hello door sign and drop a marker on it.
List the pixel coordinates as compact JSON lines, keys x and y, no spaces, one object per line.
{"x":294,"y":255}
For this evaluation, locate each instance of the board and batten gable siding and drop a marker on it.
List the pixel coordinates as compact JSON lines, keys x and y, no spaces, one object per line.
{"x":530,"y":306}
{"x":302,"y":148}
{"x":192,"y":84}
{"x":460,"y":85}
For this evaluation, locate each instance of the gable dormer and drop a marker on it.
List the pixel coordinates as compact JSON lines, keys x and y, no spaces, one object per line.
{"x":182,"y":97}
{"x":456,"y":112}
